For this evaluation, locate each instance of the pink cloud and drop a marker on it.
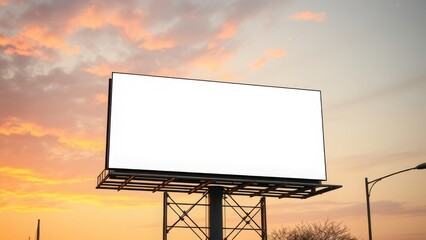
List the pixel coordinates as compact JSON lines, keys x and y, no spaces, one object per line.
{"x":3,"y":2}
{"x":153,"y":44}
{"x":309,"y":16}
{"x":105,"y":70}
{"x":268,"y":54}
{"x":98,"y":15}
{"x":274,"y":53}
{"x":36,"y":41}
{"x":213,"y":59}
{"x":227,"y":31}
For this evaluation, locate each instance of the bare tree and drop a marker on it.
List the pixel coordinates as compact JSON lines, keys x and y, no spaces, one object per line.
{"x":328,"y":230}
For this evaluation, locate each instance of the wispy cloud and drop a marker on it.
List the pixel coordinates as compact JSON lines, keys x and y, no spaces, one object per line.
{"x":154,"y":44}
{"x":390,"y":90}
{"x":36,"y":42}
{"x":21,"y":201}
{"x":100,"y":14}
{"x":317,"y":17}
{"x":31,"y":176}
{"x":268,"y":54}
{"x":342,"y":210}
{"x":16,"y":126}
{"x":105,"y":70}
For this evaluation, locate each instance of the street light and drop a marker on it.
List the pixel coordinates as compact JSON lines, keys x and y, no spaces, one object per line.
{"x":373,"y":182}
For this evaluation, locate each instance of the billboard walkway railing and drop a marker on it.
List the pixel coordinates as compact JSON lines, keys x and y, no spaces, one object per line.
{"x":139,"y":180}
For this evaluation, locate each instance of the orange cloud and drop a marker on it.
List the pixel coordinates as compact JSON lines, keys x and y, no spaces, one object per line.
{"x":309,"y":16}
{"x":41,"y":200}
{"x":98,"y":15}
{"x":214,"y":59}
{"x":268,"y":54}
{"x":3,"y":2}
{"x":166,"y":72}
{"x":29,"y":175}
{"x":274,"y":53}
{"x":47,"y":39}
{"x":101,"y":98}
{"x":21,"y":46}
{"x":27,"y":208}
{"x":259,"y":63}
{"x":17,"y":126}
{"x":82,"y":144}
{"x":157,"y":44}
{"x":227,"y":31}
{"x":36,"y":41}
{"x":102,"y":70}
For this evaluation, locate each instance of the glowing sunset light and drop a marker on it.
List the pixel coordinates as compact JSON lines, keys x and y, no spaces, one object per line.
{"x":56,"y":58}
{"x":309,"y":16}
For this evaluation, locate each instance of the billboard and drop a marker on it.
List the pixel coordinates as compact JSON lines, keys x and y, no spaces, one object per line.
{"x":207,"y":127}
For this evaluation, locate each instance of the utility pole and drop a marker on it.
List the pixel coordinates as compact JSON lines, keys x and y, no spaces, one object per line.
{"x":38,"y":230}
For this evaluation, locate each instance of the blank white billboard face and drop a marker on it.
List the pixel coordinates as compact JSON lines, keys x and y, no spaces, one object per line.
{"x":193,"y":126}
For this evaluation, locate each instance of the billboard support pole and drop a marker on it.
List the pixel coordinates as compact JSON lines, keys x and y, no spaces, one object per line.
{"x":215,"y":213}
{"x":263,"y":218}
{"x":165,"y":231}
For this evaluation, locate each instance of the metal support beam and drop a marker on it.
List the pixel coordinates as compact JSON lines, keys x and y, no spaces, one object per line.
{"x":266,"y":190}
{"x":163,"y":184}
{"x":252,"y":217}
{"x":241,"y":186}
{"x":263,"y":218}
{"x":215,"y":213}
{"x":201,"y":185}
{"x":125,"y":182}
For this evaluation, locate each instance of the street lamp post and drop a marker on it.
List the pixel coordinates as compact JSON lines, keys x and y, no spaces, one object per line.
{"x":373,"y":182}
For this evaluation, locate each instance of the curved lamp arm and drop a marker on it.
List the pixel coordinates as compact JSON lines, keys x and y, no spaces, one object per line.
{"x":418,"y":167}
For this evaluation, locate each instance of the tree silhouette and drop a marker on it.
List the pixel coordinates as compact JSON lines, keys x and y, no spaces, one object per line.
{"x":328,"y":230}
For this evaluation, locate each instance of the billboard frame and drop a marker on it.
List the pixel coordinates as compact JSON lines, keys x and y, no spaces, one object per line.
{"x":208,"y":175}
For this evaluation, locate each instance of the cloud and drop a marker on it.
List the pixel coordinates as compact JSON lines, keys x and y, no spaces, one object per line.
{"x":319,"y":210}
{"x":317,"y":17}
{"x":16,"y":126}
{"x":33,"y":201}
{"x":101,"y":98}
{"x":154,"y":44}
{"x":36,"y":42}
{"x":30,"y":176}
{"x":105,"y":70}
{"x":21,"y":46}
{"x":227,"y":31}
{"x":268,"y":54}
{"x":363,"y":162}
{"x":390,"y":90}
{"x":213,"y":59}
{"x":100,"y":14}
{"x":4,"y":2}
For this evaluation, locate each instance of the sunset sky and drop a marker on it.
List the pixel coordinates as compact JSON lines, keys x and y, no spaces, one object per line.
{"x":367,"y":57}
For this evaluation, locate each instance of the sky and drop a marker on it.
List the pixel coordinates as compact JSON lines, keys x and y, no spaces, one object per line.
{"x":368,"y":58}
